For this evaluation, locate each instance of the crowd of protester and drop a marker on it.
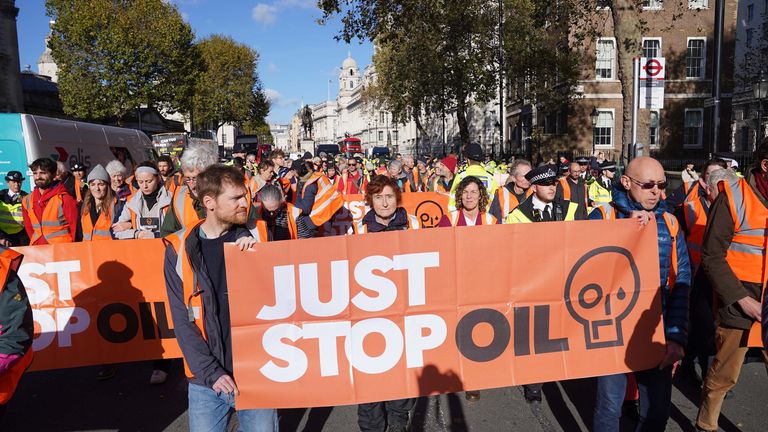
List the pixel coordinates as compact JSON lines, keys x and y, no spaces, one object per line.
{"x":711,"y":233}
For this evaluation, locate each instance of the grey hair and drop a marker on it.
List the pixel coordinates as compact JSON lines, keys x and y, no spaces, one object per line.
{"x":198,"y":158}
{"x":394,"y":163}
{"x":270,"y":192}
{"x":408,"y":157}
{"x":516,"y":164}
{"x":116,"y":167}
{"x":60,"y":167}
{"x":717,"y":176}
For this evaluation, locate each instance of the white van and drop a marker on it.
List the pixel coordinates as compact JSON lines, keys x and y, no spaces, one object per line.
{"x":25,"y":137}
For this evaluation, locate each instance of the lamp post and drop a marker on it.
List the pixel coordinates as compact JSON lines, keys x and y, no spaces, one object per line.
{"x":594,"y":116}
{"x":760,"y":90}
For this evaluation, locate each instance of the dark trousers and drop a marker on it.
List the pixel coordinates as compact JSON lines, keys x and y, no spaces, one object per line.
{"x":375,"y":416}
{"x":655,"y":387}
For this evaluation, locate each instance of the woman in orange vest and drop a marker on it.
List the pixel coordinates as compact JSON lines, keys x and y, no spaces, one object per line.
{"x":98,"y":211}
{"x":16,"y":326}
{"x":471,"y":202}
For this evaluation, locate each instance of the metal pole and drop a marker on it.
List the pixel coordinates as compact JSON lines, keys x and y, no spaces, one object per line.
{"x":501,"y":72}
{"x":635,"y":104}
{"x":716,"y":75}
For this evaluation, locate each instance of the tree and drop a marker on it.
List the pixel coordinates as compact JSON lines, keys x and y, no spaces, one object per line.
{"x":432,"y":55}
{"x":228,"y":90}
{"x":115,"y":56}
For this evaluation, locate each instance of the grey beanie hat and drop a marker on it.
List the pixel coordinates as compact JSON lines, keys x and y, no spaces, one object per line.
{"x":98,"y":173}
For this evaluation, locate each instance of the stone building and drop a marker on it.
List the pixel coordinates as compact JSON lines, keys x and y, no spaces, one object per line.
{"x":681,"y":32}
{"x":11,"y":97}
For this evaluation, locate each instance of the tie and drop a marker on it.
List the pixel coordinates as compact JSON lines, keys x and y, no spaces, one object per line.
{"x":547,"y":213}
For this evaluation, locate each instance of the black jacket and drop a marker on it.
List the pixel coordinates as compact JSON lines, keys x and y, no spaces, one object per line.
{"x":205,"y":357}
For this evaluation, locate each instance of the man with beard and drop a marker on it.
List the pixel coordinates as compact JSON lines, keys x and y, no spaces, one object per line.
{"x":196,"y":279}
{"x":352,"y":181}
{"x":170,"y":178}
{"x":50,"y":212}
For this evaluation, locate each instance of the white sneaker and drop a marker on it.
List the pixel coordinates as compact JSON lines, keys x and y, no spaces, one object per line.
{"x":158,"y":377}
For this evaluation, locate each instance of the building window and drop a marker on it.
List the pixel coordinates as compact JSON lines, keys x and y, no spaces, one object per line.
{"x":603,"y":131}
{"x":697,"y":4}
{"x":351,"y":84}
{"x":652,"y":4}
{"x":381,"y":117}
{"x":394,"y":135}
{"x":694,"y":128}
{"x":694,"y":67}
{"x":653,"y":129}
{"x":605,"y":57}
{"x":223,"y":138}
{"x":750,"y":38}
{"x":381,"y":136}
{"x":351,"y":72}
{"x":603,"y":4}
{"x":750,"y":13}
{"x":652,"y":47}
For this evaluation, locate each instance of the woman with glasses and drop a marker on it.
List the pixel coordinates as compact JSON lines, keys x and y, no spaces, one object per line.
{"x":471,"y":201}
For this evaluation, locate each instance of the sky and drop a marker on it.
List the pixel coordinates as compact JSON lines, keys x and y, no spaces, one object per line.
{"x":297,"y":56}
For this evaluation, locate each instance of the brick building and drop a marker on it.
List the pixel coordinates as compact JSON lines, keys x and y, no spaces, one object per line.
{"x":682,"y":33}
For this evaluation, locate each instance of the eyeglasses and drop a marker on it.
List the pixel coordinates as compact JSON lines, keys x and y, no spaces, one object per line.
{"x":190,"y":179}
{"x":649,"y":185}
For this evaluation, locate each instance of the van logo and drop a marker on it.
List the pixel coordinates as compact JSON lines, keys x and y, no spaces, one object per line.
{"x":61,"y":156}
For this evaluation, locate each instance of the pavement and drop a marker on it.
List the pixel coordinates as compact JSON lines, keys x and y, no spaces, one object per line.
{"x":73,"y":400}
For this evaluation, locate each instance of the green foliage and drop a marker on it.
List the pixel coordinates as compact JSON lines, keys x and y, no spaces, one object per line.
{"x":115,"y":56}
{"x":227,"y":84}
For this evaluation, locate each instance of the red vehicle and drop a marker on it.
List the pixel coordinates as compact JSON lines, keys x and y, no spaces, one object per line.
{"x":350,"y":145}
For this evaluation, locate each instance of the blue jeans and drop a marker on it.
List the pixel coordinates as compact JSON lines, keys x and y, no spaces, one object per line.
{"x":655,"y":387}
{"x":211,"y":412}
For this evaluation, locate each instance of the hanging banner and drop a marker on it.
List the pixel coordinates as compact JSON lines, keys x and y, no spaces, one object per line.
{"x":346,"y":320}
{"x":98,"y":302}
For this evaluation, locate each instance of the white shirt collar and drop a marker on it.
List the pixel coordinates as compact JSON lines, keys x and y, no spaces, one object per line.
{"x":539,"y":204}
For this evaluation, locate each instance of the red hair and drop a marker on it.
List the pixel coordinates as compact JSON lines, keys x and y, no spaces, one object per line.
{"x":377,"y":185}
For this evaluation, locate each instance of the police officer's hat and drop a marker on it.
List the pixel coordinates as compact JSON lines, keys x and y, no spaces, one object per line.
{"x":14,"y":176}
{"x":545,"y":175}
{"x":608,"y":165}
{"x":582,"y":160}
{"x":76,"y":166}
{"x":474,"y":152}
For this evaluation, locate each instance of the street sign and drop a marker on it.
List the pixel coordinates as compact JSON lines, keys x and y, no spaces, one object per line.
{"x":709,"y":102}
{"x":652,"y":73}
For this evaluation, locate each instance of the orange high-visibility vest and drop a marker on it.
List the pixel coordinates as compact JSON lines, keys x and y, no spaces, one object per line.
{"x":78,"y":189}
{"x":101,"y":230}
{"x":696,"y":222}
{"x":259,"y":231}
{"x":360,"y":187}
{"x":54,"y":227}
{"x":486,"y":218}
{"x":508,"y":201}
{"x":746,"y":253}
{"x":437,"y":186}
{"x":10,"y":260}
{"x":565,"y":184}
{"x":606,"y":211}
{"x":328,"y":200}
{"x":192,"y":291}
{"x":184,"y":207}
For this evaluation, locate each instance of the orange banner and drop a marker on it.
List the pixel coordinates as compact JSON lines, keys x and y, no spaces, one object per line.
{"x":428,"y":207}
{"x":345,"y":320}
{"x":98,"y":302}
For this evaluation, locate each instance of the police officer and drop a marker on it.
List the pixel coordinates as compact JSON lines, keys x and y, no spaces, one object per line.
{"x":79,"y":183}
{"x":542,"y":206}
{"x":12,"y":232}
{"x":600,"y":190}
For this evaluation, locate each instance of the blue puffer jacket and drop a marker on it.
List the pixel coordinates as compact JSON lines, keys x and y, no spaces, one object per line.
{"x":674,"y":301}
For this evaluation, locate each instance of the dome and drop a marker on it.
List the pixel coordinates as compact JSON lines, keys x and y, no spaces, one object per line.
{"x":46,"y":57}
{"x":349,"y":63}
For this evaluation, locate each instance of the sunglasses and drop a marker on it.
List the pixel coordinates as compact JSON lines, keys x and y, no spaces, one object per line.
{"x":649,"y":185}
